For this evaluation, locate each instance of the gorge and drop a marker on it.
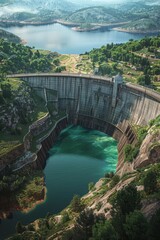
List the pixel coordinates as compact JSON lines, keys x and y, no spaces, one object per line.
{"x":108,"y":105}
{"x":100,"y":103}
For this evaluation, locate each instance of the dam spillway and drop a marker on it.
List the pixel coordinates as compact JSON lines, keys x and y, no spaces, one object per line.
{"x":97,"y":103}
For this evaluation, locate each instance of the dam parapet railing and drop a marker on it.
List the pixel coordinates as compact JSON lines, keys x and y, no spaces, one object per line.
{"x":87,"y":76}
{"x":144,"y":89}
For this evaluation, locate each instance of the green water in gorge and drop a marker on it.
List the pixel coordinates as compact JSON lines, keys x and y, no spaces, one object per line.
{"x":80,"y":156}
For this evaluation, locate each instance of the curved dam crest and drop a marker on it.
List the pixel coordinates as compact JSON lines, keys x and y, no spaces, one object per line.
{"x":94,"y":102}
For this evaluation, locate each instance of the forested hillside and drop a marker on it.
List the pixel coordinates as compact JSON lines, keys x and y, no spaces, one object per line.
{"x":138,"y":61}
{"x":16,"y":58}
{"x":98,"y":15}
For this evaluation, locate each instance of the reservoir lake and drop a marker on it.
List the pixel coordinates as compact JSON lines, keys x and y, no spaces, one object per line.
{"x":80,"y":156}
{"x":63,"y":39}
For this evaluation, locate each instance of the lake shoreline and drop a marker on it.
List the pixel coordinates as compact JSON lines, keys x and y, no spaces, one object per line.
{"x":8,"y":213}
{"x":75,"y":26}
{"x":135,"y":31}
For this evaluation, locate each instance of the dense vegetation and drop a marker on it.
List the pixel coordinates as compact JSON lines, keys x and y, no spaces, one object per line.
{"x":97,"y":15}
{"x":138,"y":59}
{"x":20,"y":191}
{"x":16,"y":58}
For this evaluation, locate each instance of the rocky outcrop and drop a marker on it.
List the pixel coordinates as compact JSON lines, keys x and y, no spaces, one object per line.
{"x":150,"y":150}
{"x":150,"y":207}
{"x":12,"y":156}
{"x":19,"y":110}
{"x":37,"y":128}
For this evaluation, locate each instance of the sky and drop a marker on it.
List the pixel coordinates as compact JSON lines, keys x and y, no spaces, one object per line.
{"x":101,"y":1}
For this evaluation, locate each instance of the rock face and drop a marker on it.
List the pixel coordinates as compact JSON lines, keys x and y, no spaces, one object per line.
{"x":149,"y":150}
{"x":10,"y":157}
{"x":18,"y":111}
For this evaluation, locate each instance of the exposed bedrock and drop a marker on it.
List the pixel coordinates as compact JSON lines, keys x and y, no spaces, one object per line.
{"x":99,"y":103}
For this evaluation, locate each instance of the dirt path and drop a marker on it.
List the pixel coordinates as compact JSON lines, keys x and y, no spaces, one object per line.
{"x":70,"y":61}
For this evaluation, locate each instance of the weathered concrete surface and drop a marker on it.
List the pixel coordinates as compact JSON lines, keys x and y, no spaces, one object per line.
{"x":92,"y":95}
{"x":88,"y":100}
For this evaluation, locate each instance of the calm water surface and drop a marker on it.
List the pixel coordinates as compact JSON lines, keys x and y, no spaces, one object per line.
{"x":79,"y":156}
{"x":56,"y":37}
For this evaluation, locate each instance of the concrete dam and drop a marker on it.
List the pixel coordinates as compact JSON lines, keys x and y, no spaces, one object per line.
{"x":105,"y":104}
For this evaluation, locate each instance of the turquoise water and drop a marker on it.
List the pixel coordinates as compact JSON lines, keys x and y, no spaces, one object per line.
{"x":80,"y":156}
{"x":56,"y":37}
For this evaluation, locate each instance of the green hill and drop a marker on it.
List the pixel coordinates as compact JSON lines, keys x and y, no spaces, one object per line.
{"x":9,"y":36}
{"x":97,"y":15}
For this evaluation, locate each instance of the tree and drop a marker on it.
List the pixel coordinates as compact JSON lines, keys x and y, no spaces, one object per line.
{"x":136,"y":226}
{"x":150,"y":182}
{"x":104,"y":231}
{"x":127,"y":200}
{"x":1,"y":99}
{"x":19,"y":227}
{"x":144,"y":80}
{"x":65,"y":217}
{"x":115,"y":180}
{"x":91,"y":186}
{"x":76,"y":204}
{"x":84,"y":224}
{"x":154,"y":224}
{"x":6,"y":90}
{"x":104,"y":68}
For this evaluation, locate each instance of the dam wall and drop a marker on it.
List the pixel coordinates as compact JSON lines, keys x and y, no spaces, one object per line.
{"x":92,"y":102}
{"x":92,"y":95}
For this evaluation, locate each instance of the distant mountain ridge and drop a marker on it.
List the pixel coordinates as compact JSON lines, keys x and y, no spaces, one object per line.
{"x":97,"y":15}
{"x":140,"y":15}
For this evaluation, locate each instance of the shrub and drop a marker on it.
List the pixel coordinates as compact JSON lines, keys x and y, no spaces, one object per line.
{"x":65,"y":217}
{"x":126,"y":200}
{"x":150,"y":182}
{"x":154,"y":224}
{"x":90,"y":186}
{"x":19,"y":227}
{"x":76,"y":204}
{"x":104,"y":231}
{"x":115,"y":180}
{"x":136,"y":226}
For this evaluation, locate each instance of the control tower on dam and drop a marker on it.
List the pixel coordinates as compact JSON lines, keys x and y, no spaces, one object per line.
{"x":95,"y":102}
